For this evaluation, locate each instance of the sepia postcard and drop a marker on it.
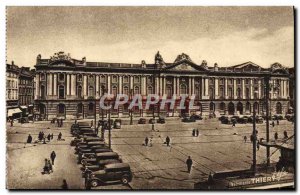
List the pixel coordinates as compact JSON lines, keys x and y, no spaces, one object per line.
{"x":150,"y":98}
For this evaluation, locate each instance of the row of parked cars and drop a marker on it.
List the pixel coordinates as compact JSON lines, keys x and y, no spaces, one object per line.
{"x":99,"y":163}
{"x":192,"y":118}
{"x":160,"y":120}
{"x":249,"y":119}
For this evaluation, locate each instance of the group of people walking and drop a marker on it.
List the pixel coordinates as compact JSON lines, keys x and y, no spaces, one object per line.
{"x":195,"y":132}
{"x":48,"y":167}
{"x":42,"y":137}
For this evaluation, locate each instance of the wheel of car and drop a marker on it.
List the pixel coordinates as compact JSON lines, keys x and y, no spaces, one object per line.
{"x":94,"y":183}
{"x":125,"y":180}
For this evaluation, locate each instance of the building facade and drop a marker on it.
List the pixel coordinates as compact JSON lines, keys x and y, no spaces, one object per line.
{"x":26,"y":88}
{"x":12,"y":85}
{"x":71,"y":88}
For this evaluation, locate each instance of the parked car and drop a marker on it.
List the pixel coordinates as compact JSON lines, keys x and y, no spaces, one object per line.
{"x":226,"y":120}
{"x":188,"y":120}
{"x":99,"y":156}
{"x":89,"y":145}
{"x":161,"y":120}
{"x":91,"y":153}
{"x":111,"y":173}
{"x":152,"y":121}
{"x":243,"y":120}
{"x":222,"y":117}
{"x":278,"y":117}
{"x":100,"y":165}
{"x":142,"y":121}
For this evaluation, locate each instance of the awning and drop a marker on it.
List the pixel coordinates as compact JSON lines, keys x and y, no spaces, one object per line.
{"x":23,"y":107}
{"x":10,"y":112}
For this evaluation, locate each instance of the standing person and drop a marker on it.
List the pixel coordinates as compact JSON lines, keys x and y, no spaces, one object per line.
{"x":193,"y":132}
{"x":59,"y":136}
{"x":245,"y":138}
{"x":29,"y":139}
{"x":189,"y":163}
{"x":49,"y":166}
{"x":52,"y":136}
{"x":276,"y":136}
{"x":197,"y":132}
{"x":49,"y":137}
{"x":65,"y":186}
{"x":46,"y":168}
{"x":146,"y":141}
{"x":52,"y":156}
{"x":12,"y":122}
{"x":168,"y":141}
{"x":273,"y":123}
{"x":61,"y":122}
{"x":233,"y":123}
{"x":277,"y":121}
{"x":57,"y":121}
{"x":257,"y":145}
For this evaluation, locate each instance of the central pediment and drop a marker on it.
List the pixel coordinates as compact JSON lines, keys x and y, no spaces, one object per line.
{"x":185,"y":65}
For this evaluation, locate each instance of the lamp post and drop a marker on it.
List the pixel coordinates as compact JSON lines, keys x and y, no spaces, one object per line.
{"x":95,"y":111}
{"x":153,"y":110}
{"x":109,"y":125}
{"x":102,"y":113}
{"x":254,"y":140}
{"x":131,"y":122}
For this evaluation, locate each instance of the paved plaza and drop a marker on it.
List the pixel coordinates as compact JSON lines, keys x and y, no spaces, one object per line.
{"x":219,"y":147}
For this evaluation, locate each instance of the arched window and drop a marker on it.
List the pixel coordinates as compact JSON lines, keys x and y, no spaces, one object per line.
{"x":79,"y":91}
{"x":231,"y":108}
{"x":278,"y":108}
{"x":61,"y":92}
{"x":114,"y":79}
{"x":91,"y":91}
{"x":222,"y":106}
{"x":239,"y":94}
{"x":247,"y":93}
{"x":125,"y":79}
{"x":43,"y":92}
{"x":61,"y":77}
{"x":136,"y":79}
{"x":80,"y":108}
{"x":183,"y":89}
{"x":91,"y":107}
{"x":211,"y":93}
{"x":169,"y":91}
{"x":102,"y":89}
{"x":126,"y":90}
{"x":221,"y":92}
{"x":230,"y":92}
{"x":102,"y":79}
{"x":136,"y":90}
{"x":114,"y":90}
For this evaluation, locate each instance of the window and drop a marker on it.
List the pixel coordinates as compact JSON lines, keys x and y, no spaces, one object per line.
{"x":79,"y":91}
{"x":91,"y":91}
{"x":169,"y":91}
{"x":221,"y":92}
{"x":125,"y":79}
{"x":61,"y":77}
{"x":114,"y":79}
{"x":102,"y":79}
{"x":126,"y":90}
{"x":43,"y":77}
{"x":230,"y":81}
{"x":61,"y":92}
{"x":255,"y":81}
{"x":43,"y":92}
{"x":79,"y":108}
{"x":222,"y":81}
{"x":255,"y":92}
{"x":136,"y":90}
{"x":238,"y":81}
{"x":149,"y":90}
{"x":136,"y":79}
{"x":230,"y":92}
{"x":239,"y":94}
{"x":247,"y":93}
{"x":183,"y":89}
{"x":211,"y":93}
{"x":114,"y":90}
{"x":211,"y":81}
{"x":79,"y":78}
{"x":91,"y":107}
{"x":247,"y":81}
{"x":149,"y":79}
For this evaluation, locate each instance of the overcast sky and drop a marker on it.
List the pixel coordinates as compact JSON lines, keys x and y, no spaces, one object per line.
{"x":226,"y":35}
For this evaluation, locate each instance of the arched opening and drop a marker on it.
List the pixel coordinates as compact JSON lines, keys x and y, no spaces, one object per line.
{"x":42,"y":109}
{"x":230,"y":108}
{"x":136,"y":90}
{"x":239,"y":108}
{"x":222,"y":108}
{"x":114,"y":90}
{"x":278,"y":108}
{"x":256,"y":107}
{"x":211,"y":107}
{"x":61,"y":92}
{"x":169,"y":91}
{"x":43,"y":92}
{"x":61,"y":110}
{"x":126,"y":90}
{"x":239,"y":94}
{"x":211,"y":93}
{"x":91,"y":109}
{"x":248,"y":108}
{"x":91,"y":91}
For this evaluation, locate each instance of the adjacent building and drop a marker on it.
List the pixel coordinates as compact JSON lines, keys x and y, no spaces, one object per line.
{"x":26,"y":89}
{"x":71,"y":88}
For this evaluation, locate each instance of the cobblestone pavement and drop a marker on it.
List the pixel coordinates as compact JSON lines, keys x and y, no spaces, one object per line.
{"x":218,"y":148}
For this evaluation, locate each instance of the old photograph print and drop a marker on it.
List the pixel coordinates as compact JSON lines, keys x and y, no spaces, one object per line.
{"x":150,"y":98}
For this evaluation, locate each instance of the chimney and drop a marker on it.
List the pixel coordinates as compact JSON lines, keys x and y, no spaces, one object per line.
{"x":12,"y":63}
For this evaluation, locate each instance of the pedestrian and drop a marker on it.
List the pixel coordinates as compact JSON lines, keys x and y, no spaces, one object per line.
{"x":189,"y":163}
{"x":285,"y":135}
{"x":150,"y":142}
{"x":276,"y":136}
{"x":42,"y":135}
{"x":46,"y":168}
{"x":57,"y":121}
{"x":193,"y":132}
{"x":233,"y":123}
{"x":52,"y":156}
{"x":277,"y":121}
{"x":65,"y":186}
{"x":52,"y":136}
{"x":61,"y":122}
{"x":146,"y":141}
{"x":168,"y":140}
{"x":12,"y":123}
{"x":29,"y":139}
{"x":49,"y":166}
{"x":59,"y":136}
{"x":44,"y":140}
{"x":245,"y":138}
{"x":197,"y":132}
{"x":257,"y":145}
{"x":273,"y":123}
{"x":49,"y":137}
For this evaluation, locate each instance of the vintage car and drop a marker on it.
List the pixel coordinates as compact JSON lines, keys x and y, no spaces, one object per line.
{"x":188,"y":120}
{"x":117,"y":124}
{"x":100,"y":165}
{"x":111,"y":173}
{"x":142,"y":121}
{"x":222,"y":117}
{"x":196,"y":117}
{"x":161,"y":120}
{"x":83,"y":124}
{"x":151,"y":121}
{"x":258,"y":119}
{"x":99,"y":156}
{"x":243,"y":119}
{"x":226,"y":120}
{"x":89,"y":145}
{"x":91,"y":153}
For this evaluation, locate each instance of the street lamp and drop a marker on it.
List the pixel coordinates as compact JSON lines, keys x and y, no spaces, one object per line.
{"x":254,"y":139}
{"x":131,"y":108}
{"x":109,"y":125}
{"x":102,"y":113}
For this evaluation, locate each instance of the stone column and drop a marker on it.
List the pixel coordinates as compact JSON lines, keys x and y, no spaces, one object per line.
{"x":55,"y":84}
{"x":97,"y":85}
{"x":49,"y":84}
{"x":131,"y":83}
{"x":174,"y":85}
{"x":259,"y":89}
{"x":216,"y":88}
{"x":84,"y":89}
{"x":143,"y":87}
{"x":164,"y":85}
{"x":68,"y":84}
{"x":234,"y":89}
{"x":160,"y":85}
{"x":108,"y":83}
{"x":193,"y":85}
{"x":251,"y":88}
{"x":206,"y":86}
{"x":226,"y":88}
{"x":190,"y":85}
{"x":288,"y":88}
{"x":37,"y":86}
{"x":177,"y":85}
{"x":120,"y":84}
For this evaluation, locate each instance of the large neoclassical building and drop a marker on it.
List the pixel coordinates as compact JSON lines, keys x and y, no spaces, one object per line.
{"x":71,"y":88}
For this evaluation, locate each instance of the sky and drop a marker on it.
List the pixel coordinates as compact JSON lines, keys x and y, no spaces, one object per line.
{"x":223,"y":35}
